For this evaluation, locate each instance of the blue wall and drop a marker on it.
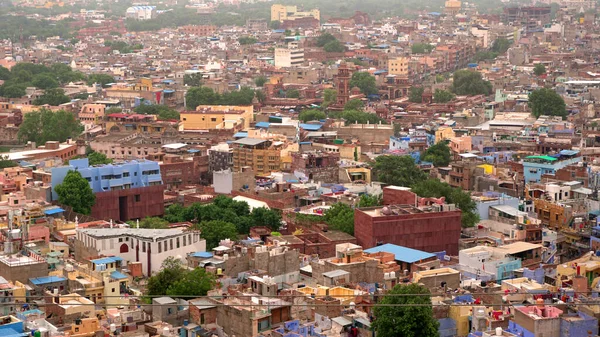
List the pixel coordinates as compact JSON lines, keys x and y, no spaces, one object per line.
{"x":579,"y":328}
{"x":484,"y":207}
{"x":102,"y":178}
{"x":519,"y":330}
{"x":544,"y":168}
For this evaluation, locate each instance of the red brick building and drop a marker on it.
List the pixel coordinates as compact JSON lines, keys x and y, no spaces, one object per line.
{"x":433,"y":228}
{"x":127,"y":204}
{"x":198,"y":30}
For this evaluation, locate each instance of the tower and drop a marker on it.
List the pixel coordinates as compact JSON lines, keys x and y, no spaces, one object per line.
{"x":343,"y":84}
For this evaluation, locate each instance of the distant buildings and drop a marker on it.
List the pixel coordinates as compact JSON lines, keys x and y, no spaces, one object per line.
{"x":141,"y":12}
{"x":290,"y":56}
{"x":282,"y":13}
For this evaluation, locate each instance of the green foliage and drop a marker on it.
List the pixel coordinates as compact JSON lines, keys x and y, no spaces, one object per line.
{"x":75,"y":191}
{"x":150,"y":223}
{"x":484,"y":55}
{"x":340,"y":217}
{"x":398,"y":170}
{"x":415,"y":94}
{"x":367,"y":200}
{"x":468,"y":82}
{"x":44,"y":81}
{"x":161,"y":111}
{"x":175,"y":280}
{"x":358,"y":117}
{"x":546,"y":101}
{"x":113,"y":110}
{"x":539,"y":69}
{"x":400,"y":314}
{"x":275,"y":24}
{"x":329,"y":97}
{"x":354,"y":104}
{"x":12,"y":91}
{"x":357,"y":62}
{"x":292,"y":93}
{"x":216,"y":230}
{"x":324,"y":39}
{"x":442,"y":96}
{"x":123,"y":47}
{"x":201,"y":96}
{"x":244,"y":96}
{"x":266,"y":217}
{"x":20,"y":27}
{"x":102,"y":79}
{"x":97,"y":158}
{"x":260,"y":81}
{"x":245,"y":40}
{"x":24,"y":75}
{"x":311,"y":115}
{"x":44,"y":125}
{"x":334,"y":47}
{"x":421,"y":48}
{"x":365,"y":82}
{"x":438,"y":154}
{"x":5,"y":162}
{"x":192,"y":80}
{"x":53,"y":97}
{"x":436,"y":189}
{"x":501,"y":45}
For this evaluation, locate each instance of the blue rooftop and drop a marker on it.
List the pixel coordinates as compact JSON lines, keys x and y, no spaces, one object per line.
{"x":53,"y":211}
{"x":568,"y":152}
{"x":264,"y":125}
{"x":404,"y":254}
{"x":204,"y":255}
{"x":118,"y":275}
{"x":46,"y":279}
{"x":106,"y":260}
{"x":311,"y":127}
{"x":241,"y":134}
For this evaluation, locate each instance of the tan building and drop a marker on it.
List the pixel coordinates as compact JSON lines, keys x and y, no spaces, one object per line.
{"x":282,"y":12}
{"x":264,"y":156}
{"x":208,"y":117}
{"x":289,"y":57}
{"x":398,"y":66}
{"x":91,"y":114}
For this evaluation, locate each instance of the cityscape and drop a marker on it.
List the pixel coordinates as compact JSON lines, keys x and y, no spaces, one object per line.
{"x":299,"y":168}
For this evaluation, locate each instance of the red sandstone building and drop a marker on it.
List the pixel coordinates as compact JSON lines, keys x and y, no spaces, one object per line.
{"x":420,"y":223}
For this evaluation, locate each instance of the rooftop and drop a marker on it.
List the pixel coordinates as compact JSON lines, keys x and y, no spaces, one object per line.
{"x":401,"y":253}
{"x":142,"y":233}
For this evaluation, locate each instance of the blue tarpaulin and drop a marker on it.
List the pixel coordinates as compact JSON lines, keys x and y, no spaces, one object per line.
{"x":53,"y":211}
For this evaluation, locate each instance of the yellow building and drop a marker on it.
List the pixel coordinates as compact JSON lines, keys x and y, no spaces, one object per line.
{"x":264,"y":156}
{"x":487,"y":168}
{"x":444,"y":133}
{"x":452,"y":6}
{"x":282,"y":12}
{"x":207,"y":117}
{"x":398,"y":66}
{"x":85,"y":327}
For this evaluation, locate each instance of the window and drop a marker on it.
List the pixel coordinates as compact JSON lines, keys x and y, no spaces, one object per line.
{"x":143,"y":247}
{"x":177,"y":242}
{"x":125,"y":174}
{"x":171,"y":244}
{"x":213,"y":119}
{"x":113,"y":290}
{"x":159,"y":248}
{"x":165,"y":242}
{"x":137,"y":198}
{"x":120,"y":239}
{"x":184,"y":241}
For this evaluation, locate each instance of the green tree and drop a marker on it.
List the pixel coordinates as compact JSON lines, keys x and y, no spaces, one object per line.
{"x":405,"y":311}
{"x":53,"y":97}
{"x":44,"y":81}
{"x":329,"y":97}
{"x":484,"y":55}
{"x":324,"y":39}
{"x":438,"y":154}
{"x":75,"y":191}
{"x":6,"y":162}
{"x":442,"y":96}
{"x":292,"y":93}
{"x":194,"y":283}
{"x":244,"y":96}
{"x":334,"y":47}
{"x":367,"y":200}
{"x":274,"y":24}
{"x":354,"y":104}
{"x":359,"y":117}
{"x":539,"y":69}
{"x":174,"y":213}
{"x":161,"y":111}
{"x":245,"y":40}
{"x":311,"y":115}
{"x":421,"y":48}
{"x":13,"y":90}
{"x":4,"y":74}
{"x":365,"y":82}
{"x":546,"y":101}
{"x":192,"y":80}
{"x":468,"y":82}
{"x":97,"y":158}
{"x":43,"y":125}
{"x":260,"y":81}
{"x":501,"y":45}
{"x":266,"y":217}
{"x":398,"y":170}
{"x":200,"y":96}
{"x":113,"y":110}
{"x":102,"y":79}
{"x":415,"y":94}
{"x":172,"y":270}
{"x":216,"y":230}
{"x":151,"y":223}
{"x":433,"y":188}
{"x":340,"y":217}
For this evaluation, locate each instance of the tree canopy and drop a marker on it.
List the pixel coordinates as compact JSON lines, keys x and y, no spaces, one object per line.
{"x":161,"y":111}
{"x":415,"y":94}
{"x":354,"y":104}
{"x":192,"y":80}
{"x":216,"y":230}
{"x":329,"y":97}
{"x":539,"y":69}
{"x":45,"y":125}
{"x":438,"y":154}
{"x":292,"y":93}
{"x":469,"y":82}
{"x":311,"y":115}
{"x":365,"y":82}
{"x":340,"y":217}
{"x":400,"y":314}
{"x":324,"y":39}
{"x":175,"y":280}
{"x":501,"y":45}
{"x":442,"y":96}
{"x":75,"y":191}
{"x":206,"y":96}
{"x":260,"y":81}
{"x":398,"y":170}
{"x":334,"y":47}
{"x":358,"y":117}
{"x":421,"y":48}
{"x":102,"y":79}
{"x":97,"y":158}
{"x":245,"y":40}
{"x":53,"y":97}
{"x":150,"y":223}
{"x":546,"y":101}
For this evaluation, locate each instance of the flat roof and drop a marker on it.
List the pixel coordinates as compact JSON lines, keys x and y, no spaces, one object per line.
{"x":508,"y":210}
{"x":106,"y":260}
{"x":249,"y":141}
{"x":335,"y":273}
{"x":46,"y":279}
{"x":143,"y":233}
{"x":518,"y":247}
{"x":401,"y":253}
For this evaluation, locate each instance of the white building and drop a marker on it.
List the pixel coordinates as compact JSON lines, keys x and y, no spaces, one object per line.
{"x":141,"y":12}
{"x":497,"y":263}
{"x":292,"y":56}
{"x":150,"y":247}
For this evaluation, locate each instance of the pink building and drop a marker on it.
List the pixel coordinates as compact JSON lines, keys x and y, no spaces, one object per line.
{"x":460,"y":145}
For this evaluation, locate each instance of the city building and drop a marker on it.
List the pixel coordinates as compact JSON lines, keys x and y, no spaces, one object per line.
{"x":207,"y":117}
{"x":284,"y":12}
{"x":141,"y":12}
{"x":290,"y":56}
{"x":534,"y":167}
